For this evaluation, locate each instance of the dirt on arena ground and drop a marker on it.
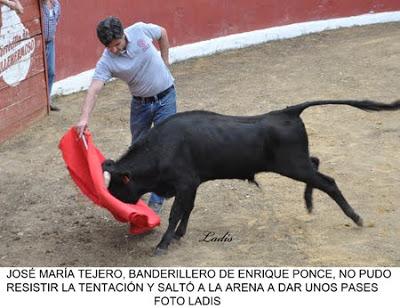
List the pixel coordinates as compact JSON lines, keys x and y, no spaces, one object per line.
{"x":46,"y":221}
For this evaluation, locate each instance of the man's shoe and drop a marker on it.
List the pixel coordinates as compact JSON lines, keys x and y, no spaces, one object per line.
{"x":54,"y":108}
{"x":156,"y":207}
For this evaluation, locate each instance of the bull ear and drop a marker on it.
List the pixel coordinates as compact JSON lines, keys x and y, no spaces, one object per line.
{"x":107,"y":178}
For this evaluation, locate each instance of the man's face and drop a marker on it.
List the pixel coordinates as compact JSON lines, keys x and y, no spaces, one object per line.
{"x":117,"y":46}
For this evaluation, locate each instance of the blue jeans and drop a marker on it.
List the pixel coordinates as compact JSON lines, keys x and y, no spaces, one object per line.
{"x":51,"y":63}
{"x":144,"y":115}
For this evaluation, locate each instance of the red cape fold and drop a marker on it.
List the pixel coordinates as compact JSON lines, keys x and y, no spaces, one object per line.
{"x":84,"y":166}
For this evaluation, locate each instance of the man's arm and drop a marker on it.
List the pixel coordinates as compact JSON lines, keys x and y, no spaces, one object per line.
{"x":164,"y":46}
{"x":90,"y":101}
{"x":58,"y":12}
{"x":15,"y":5}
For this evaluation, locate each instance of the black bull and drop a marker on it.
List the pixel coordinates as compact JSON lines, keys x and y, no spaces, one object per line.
{"x":190,"y":148}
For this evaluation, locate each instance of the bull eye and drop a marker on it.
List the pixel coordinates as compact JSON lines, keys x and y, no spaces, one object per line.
{"x":125,"y":179}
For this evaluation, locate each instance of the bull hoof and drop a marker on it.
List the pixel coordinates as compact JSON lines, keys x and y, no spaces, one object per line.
{"x":160,"y":251}
{"x":360,"y":222}
{"x":176,"y":238}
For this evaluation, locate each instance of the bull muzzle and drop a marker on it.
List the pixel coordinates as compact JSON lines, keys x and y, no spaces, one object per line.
{"x":107,"y":178}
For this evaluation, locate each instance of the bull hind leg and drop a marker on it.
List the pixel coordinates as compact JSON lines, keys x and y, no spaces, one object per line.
{"x":309,"y":189}
{"x":328,"y":185}
{"x":305,"y":172}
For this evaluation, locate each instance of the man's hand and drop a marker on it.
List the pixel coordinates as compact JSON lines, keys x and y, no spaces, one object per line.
{"x":19,"y":8}
{"x":14,"y":5}
{"x":81,"y":127}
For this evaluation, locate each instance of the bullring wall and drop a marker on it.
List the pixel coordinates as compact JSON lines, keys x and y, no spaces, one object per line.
{"x":195,"y":27}
{"x":189,"y":21}
{"x":23,"y":86}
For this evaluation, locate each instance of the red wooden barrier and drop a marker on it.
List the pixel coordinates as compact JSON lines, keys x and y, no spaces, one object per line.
{"x":189,"y":21}
{"x":23,"y":86}
{"x":23,"y":97}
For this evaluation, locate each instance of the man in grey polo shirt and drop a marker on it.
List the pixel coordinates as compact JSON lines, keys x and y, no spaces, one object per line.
{"x":131,"y":56}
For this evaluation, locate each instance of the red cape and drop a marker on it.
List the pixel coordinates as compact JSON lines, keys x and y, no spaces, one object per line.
{"x":84,"y":166}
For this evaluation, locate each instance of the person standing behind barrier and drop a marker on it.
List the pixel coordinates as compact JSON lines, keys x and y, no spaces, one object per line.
{"x":131,"y":56}
{"x":51,"y":14}
{"x":14,"y":5}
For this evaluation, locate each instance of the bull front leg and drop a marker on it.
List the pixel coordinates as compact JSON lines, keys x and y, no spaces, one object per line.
{"x":181,"y":230}
{"x":180,"y":210}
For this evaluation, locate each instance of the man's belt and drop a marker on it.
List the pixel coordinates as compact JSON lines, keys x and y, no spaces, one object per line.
{"x":152,"y":99}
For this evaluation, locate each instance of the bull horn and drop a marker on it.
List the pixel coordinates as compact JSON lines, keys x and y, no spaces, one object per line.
{"x":107,"y":178}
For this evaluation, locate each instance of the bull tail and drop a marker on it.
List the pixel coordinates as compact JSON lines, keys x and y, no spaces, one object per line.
{"x":363,"y":105}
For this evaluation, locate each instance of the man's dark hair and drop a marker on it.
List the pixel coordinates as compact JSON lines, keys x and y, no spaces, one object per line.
{"x":109,"y":29}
